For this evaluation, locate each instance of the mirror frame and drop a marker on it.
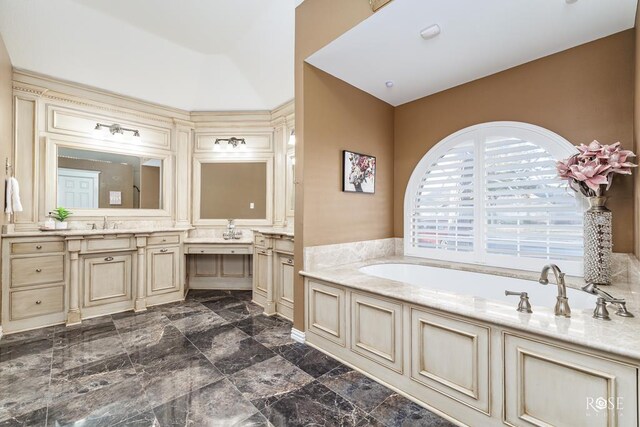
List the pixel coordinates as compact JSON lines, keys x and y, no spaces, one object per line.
{"x":197,"y":176}
{"x":125,"y":148}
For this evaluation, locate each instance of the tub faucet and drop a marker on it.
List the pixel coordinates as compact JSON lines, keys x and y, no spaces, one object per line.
{"x":562,"y":304}
{"x":621,"y":304}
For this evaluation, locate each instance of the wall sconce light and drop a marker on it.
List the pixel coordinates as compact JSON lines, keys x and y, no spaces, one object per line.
{"x":116,"y":129}
{"x":292,"y":137}
{"x":231,"y":141}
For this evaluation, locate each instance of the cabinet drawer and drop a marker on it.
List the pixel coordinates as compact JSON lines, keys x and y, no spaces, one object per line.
{"x":260,"y":240}
{"x":284,"y":245}
{"x":36,"y":302}
{"x":109,"y":244}
{"x":326,"y":311}
{"x":545,"y":384}
{"x":37,"y":270}
{"x":222,"y":249}
{"x":163,"y":240}
{"x":107,"y":279}
{"x":451,"y":355}
{"x":36,"y":247}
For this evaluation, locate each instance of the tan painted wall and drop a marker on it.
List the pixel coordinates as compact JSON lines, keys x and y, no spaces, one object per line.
{"x":318,"y":22}
{"x":6,"y":115}
{"x":636,"y":129}
{"x":113,"y":177}
{"x":227,"y":189}
{"x":149,"y":187}
{"x":584,"y":93}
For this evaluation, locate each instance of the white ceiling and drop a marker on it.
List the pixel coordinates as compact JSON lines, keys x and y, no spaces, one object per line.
{"x":197,"y":55}
{"x":478,"y":38}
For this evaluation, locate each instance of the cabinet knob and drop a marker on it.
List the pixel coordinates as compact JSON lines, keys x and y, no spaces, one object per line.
{"x":164,"y":250}
{"x":38,"y":302}
{"x":109,"y":258}
{"x":201,"y":252}
{"x":164,"y":240}
{"x":233,"y":252}
{"x":289,"y":261}
{"x":39,"y":247}
{"x":38,"y":270}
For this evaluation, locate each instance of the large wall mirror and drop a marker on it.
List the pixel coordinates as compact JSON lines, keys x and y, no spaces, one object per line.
{"x":239,"y":189}
{"x":98,"y":180}
{"x":94,"y":179}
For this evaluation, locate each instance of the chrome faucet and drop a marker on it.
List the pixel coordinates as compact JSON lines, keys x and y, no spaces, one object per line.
{"x":562,"y":303}
{"x":231,"y":232}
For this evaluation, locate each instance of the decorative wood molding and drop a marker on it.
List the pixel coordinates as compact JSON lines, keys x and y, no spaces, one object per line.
{"x":377,"y":4}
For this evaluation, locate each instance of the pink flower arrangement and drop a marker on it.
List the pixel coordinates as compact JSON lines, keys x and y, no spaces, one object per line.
{"x":592,"y":169}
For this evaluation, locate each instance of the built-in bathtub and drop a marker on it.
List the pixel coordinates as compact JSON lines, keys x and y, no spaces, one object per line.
{"x":488,"y":286}
{"x":448,"y":338}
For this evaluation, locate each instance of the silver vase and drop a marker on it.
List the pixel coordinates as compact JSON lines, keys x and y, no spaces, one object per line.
{"x":598,"y":242}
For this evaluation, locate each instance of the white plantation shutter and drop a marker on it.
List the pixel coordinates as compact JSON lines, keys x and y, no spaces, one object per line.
{"x":442,"y":214}
{"x":490,"y":194}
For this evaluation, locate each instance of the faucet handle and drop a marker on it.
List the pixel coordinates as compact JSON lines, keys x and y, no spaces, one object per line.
{"x":601,"y":311}
{"x":523,"y":306}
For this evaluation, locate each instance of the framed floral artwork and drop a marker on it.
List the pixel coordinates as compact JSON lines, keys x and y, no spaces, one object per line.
{"x":358,"y":173}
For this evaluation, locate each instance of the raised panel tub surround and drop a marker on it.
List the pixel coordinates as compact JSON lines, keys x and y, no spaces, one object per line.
{"x":471,"y":371}
{"x":273,"y":271}
{"x":34,"y":277}
{"x":67,"y":276}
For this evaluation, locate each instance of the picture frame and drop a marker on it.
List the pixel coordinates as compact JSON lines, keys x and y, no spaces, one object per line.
{"x":358,"y":173}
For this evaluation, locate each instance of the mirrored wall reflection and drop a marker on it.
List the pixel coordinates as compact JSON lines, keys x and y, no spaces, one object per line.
{"x":93,"y":179}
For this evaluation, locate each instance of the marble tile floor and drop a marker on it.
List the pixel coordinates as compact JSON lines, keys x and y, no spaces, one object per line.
{"x":213,"y":360}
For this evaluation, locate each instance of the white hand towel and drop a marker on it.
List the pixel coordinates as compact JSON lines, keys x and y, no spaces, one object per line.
{"x":12,"y":202}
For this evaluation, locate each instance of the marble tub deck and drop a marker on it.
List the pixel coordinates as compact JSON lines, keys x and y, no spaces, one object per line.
{"x":213,"y":360}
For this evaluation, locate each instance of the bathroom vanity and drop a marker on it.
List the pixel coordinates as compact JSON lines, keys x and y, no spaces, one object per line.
{"x":74,"y":275}
{"x":273,"y":271}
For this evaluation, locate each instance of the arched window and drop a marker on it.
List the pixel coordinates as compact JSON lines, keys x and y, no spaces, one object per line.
{"x":489,"y":194}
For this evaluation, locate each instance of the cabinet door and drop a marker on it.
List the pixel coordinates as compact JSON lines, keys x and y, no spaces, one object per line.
{"x":261,"y":275}
{"x":284,"y":286}
{"x":163,"y":270}
{"x":547,"y":385}
{"x":107,"y":279}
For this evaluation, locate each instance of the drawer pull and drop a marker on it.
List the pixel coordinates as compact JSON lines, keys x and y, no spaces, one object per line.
{"x":233,"y":252}
{"x":38,"y":270}
{"x":164,"y":240}
{"x":39,"y":247}
{"x":109,"y":258}
{"x":263,"y":252}
{"x":164,"y":250}
{"x":38,"y":302}
{"x":289,"y":261}
{"x":201,"y":252}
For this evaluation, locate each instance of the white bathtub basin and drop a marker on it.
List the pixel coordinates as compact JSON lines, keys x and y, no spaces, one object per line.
{"x":481,"y":285}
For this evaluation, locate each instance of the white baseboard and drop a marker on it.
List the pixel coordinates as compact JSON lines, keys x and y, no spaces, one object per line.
{"x":297,"y":336}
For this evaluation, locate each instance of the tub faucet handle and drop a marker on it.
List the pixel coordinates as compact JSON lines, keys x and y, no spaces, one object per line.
{"x":523,"y":306}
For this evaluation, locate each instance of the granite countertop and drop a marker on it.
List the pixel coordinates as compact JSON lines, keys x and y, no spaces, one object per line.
{"x":279,"y":231}
{"x":89,"y":232}
{"x":244,"y":240}
{"x":618,"y":336}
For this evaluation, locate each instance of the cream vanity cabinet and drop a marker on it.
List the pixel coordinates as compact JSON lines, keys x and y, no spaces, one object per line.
{"x":48,"y":280}
{"x":273,"y":273}
{"x":164,"y":258}
{"x":475,"y":372}
{"x":33,"y":282}
{"x":106,"y":268}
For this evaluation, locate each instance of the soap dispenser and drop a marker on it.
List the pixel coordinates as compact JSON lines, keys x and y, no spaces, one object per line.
{"x":50,"y":224}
